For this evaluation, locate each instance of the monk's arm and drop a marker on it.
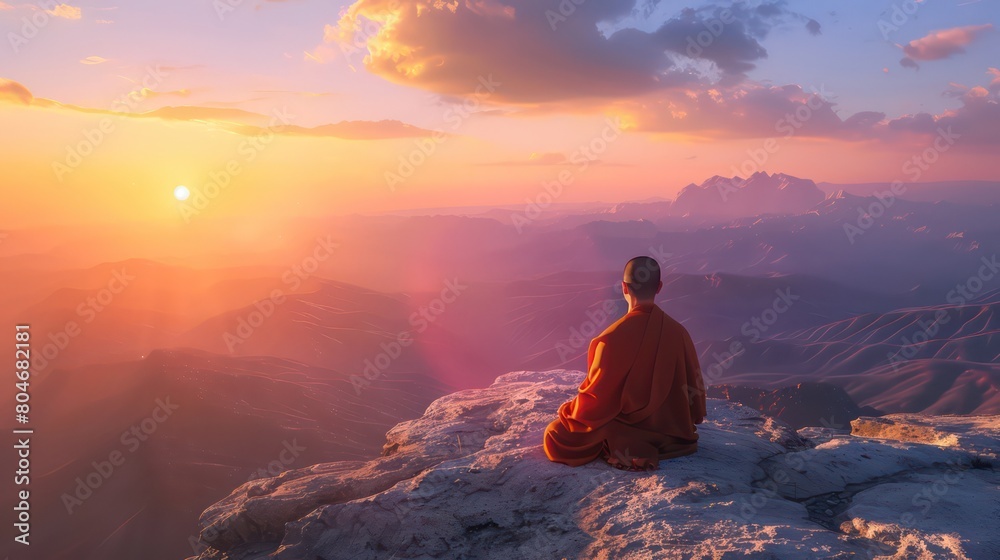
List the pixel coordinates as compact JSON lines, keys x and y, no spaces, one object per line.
{"x":695,"y":382}
{"x":599,"y":399}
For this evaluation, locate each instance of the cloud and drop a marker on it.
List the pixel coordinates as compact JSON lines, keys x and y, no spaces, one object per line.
{"x":549,"y":158}
{"x":234,"y":120}
{"x":93,"y":60}
{"x":252,"y":124}
{"x":146,"y":93}
{"x":748,"y":110}
{"x":976,"y":122}
{"x":13,"y":92}
{"x":942,"y":44}
{"x":65,"y":11}
{"x":362,"y":130}
{"x":686,"y":74}
{"x":762,"y":111}
{"x":995,"y":84}
{"x":205,"y":114}
{"x":545,"y":52}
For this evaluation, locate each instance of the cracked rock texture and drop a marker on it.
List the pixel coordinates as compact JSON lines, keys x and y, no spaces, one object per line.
{"x":469,"y":479}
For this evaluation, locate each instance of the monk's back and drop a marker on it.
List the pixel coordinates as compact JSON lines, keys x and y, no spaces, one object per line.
{"x":660,"y":386}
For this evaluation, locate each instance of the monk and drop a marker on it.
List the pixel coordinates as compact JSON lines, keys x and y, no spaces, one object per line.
{"x":643,"y":393}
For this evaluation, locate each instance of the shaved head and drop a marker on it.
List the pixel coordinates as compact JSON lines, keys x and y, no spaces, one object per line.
{"x":642,"y":274}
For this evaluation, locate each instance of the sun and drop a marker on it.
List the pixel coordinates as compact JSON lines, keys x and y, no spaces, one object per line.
{"x":182,"y":193}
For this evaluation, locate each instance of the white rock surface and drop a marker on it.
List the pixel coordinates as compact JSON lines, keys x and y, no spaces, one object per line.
{"x":469,"y":480}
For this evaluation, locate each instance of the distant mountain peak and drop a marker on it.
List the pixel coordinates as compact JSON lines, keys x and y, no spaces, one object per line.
{"x":761,"y":193}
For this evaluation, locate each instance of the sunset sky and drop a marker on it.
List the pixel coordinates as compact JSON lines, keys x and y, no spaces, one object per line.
{"x":308,"y":107}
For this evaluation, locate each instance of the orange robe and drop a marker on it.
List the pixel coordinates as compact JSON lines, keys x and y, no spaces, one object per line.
{"x":641,"y":399}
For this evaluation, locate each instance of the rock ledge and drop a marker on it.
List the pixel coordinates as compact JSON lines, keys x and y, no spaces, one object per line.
{"x":469,"y":480}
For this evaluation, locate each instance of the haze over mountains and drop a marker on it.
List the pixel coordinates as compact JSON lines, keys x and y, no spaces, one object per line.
{"x":330,"y":331}
{"x":958,"y":192}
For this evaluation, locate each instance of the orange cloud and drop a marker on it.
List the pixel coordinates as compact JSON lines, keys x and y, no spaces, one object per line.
{"x":13,"y":92}
{"x":65,"y":11}
{"x":234,"y":120}
{"x":550,"y":158}
{"x":350,"y":130}
{"x":146,"y":93}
